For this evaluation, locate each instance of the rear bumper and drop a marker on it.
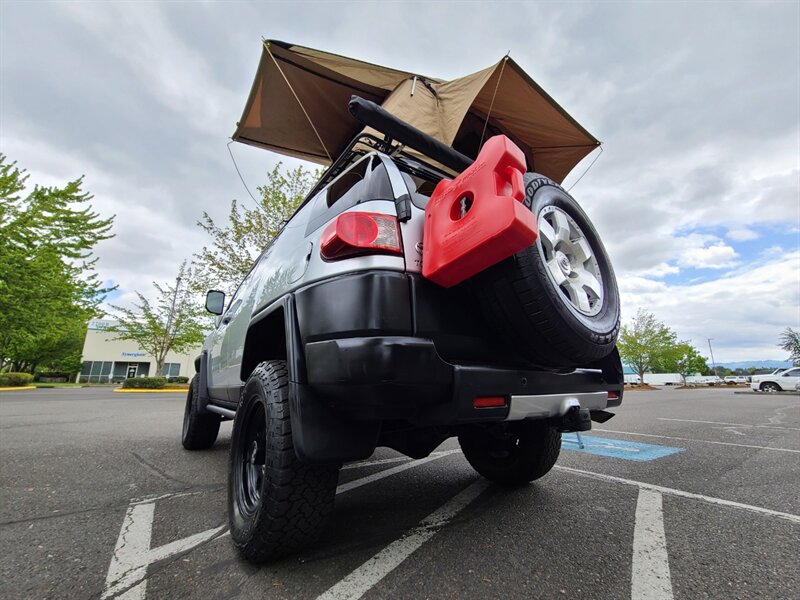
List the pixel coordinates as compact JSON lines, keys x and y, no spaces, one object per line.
{"x":379,"y":355}
{"x":380,"y":378}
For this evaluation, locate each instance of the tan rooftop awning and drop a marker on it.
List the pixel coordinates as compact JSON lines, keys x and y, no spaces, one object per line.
{"x":298,"y":107}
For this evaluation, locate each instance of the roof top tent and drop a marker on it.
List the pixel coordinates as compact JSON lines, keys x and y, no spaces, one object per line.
{"x":298,"y":106}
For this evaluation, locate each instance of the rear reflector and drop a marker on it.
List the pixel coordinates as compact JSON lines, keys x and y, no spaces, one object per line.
{"x":358,"y":233}
{"x":613,"y":396}
{"x":489,"y":402}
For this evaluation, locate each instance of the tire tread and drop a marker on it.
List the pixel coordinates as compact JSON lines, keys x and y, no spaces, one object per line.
{"x":540,"y":446}
{"x":297,"y":498}
{"x":515,"y":300}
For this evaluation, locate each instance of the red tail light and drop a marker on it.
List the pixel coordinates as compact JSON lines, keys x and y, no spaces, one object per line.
{"x":357,"y":233}
{"x":489,"y":402}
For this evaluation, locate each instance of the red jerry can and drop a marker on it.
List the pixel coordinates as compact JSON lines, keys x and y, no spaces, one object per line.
{"x":477,"y":219}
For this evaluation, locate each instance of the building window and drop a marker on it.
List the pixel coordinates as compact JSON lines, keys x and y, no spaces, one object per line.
{"x":172,"y":369}
{"x":96,"y":371}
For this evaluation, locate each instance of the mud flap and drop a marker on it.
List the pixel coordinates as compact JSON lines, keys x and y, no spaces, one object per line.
{"x":202,"y":382}
{"x":320,"y":435}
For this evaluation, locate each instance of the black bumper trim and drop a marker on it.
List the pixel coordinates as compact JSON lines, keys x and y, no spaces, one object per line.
{"x":405,"y":378}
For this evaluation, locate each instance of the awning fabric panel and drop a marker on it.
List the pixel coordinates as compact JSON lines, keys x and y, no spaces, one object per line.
{"x":293,"y":78}
{"x":274,"y":118}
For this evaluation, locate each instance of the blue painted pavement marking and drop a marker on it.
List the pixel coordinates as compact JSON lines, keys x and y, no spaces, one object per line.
{"x":616,"y":448}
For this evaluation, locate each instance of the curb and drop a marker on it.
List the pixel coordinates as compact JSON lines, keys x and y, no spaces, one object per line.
{"x":781,"y":393}
{"x":135,"y":391}
{"x":17,"y":389}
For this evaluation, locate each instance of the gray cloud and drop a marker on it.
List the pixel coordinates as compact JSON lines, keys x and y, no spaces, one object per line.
{"x":697,"y":104}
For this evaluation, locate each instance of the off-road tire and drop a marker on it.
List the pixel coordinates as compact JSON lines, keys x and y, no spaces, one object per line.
{"x":276,"y":503}
{"x":519,"y":299}
{"x":512,"y":454}
{"x":769,"y":387}
{"x":200,"y":429}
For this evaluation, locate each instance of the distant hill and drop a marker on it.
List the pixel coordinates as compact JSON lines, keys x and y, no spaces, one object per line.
{"x":758,"y":364}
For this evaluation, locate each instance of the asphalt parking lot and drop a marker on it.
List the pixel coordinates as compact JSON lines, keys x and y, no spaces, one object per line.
{"x":684,"y":494}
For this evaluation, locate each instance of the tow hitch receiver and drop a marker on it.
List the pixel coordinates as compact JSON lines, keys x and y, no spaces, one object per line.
{"x":576,"y":419}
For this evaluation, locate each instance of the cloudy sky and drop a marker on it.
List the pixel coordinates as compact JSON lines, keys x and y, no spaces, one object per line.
{"x":696,"y":195}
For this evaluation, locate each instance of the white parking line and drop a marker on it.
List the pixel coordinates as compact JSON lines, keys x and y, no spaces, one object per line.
{"x":650,"y":578}
{"x":127,"y":567}
{"x":361,"y":580}
{"x":670,"y":437}
{"x":732,"y":424}
{"x":127,"y":573}
{"x":673,"y":492}
{"x":386,"y":461}
{"x":350,"y":485}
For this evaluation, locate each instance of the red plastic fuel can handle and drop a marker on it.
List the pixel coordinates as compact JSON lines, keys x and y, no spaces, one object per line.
{"x":517,"y":184}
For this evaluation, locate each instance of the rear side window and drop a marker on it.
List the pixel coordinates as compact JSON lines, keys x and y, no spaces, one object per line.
{"x":367,"y":180}
{"x":420,"y":189}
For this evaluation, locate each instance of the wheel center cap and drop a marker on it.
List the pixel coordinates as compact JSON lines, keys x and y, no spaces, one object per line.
{"x":563,"y":263}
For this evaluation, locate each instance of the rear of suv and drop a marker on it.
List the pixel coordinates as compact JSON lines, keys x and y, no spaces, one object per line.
{"x":336,"y":343}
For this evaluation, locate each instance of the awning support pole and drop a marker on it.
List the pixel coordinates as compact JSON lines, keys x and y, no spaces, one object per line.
{"x":296,"y":97}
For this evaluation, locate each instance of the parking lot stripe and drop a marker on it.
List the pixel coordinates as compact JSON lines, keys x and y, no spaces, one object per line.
{"x":670,"y":437}
{"x":350,"y":485}
{"x":380,"y":461}
{"x":731,"y":424}
{"x":386,"y":461}
{"x":650,"y":578}
{"x":182,"y":545}
{"x":128,"y":564}
{"x":362,"y":579}
{"x":673,"y":492}
{"x":127,"y":573}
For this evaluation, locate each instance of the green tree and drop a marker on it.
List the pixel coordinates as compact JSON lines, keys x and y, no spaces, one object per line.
{"x":234,"y":247}
{"x":57,"y":349}
{"x":645,"y":343}
{"x":790,"y":341}
{"x":48,"y":282}
{"x":683,"y":358}
{"x":175,"y":321}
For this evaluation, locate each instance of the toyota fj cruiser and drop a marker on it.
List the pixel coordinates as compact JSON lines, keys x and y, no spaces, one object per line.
{"x":336,"y":342}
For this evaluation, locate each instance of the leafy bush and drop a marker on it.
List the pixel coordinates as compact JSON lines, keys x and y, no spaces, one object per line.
{"x":144,"y":383}
{"x":15,"y":379}
{"x":53,"y":376}
{"x":178,"y":379}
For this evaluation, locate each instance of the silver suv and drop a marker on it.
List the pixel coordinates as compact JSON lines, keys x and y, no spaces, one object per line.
{"x":335,"y":343}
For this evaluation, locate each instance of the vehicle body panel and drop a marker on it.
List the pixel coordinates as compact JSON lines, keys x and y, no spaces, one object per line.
{"x":786,"y":380}
{"x":371,"y":343}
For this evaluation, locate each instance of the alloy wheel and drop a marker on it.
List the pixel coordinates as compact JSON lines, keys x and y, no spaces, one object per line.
{"x":570,"y":260}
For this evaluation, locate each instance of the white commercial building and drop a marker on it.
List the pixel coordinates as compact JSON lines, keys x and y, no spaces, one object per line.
{"x":106,"y":359}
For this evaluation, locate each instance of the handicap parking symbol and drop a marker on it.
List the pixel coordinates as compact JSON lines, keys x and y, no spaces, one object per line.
{"x":625,"y":450}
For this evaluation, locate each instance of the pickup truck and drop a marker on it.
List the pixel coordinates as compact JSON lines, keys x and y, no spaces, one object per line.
{"x":780,"y":380}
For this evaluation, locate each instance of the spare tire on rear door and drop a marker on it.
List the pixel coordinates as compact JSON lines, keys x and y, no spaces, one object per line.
{"x":556,"y":301}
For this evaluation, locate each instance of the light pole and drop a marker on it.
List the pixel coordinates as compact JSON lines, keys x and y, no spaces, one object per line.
{"x":713,"y":363}
{"x":169,"y":320}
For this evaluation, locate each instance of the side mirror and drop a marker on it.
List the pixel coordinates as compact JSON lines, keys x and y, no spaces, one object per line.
{"x":215,"y":302}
